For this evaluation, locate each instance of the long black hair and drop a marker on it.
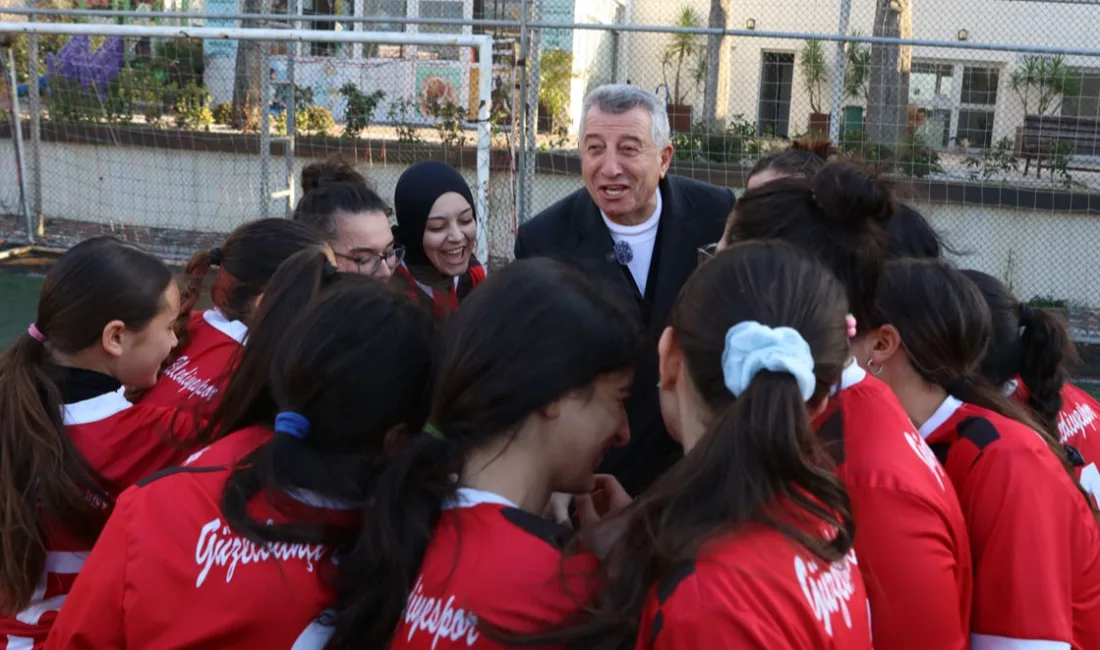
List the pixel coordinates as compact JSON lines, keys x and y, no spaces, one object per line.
{"x":760,"y":448}
{"x":838,"y":215}
{"x":945,"y":325}
{"x":531,"y":334}
{"x":1030,"y":343}
{"x":42,"y":474}
{"x":356,"y":365}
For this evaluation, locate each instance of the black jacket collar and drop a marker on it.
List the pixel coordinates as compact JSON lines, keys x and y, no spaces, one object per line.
{"x":77,"y":384}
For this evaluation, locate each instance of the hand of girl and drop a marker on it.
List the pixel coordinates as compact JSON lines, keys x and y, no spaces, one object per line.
{"x":557,"y":509}
{"x":607,"y":500}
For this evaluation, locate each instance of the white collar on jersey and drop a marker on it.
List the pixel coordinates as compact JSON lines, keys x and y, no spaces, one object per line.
{"x":851,"y":376}
{"x":945,"y":411}
{"x":315,"y":500}
{"x":1009,"y":389}
{"x":95,"y":409}
{"x":234,"y":329}
{"x":469,"y":497}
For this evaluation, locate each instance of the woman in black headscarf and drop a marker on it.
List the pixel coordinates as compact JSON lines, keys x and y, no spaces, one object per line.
{"x":437,"y":225}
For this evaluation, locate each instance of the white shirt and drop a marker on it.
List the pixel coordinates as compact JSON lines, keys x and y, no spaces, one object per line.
{"x":641,"y":239}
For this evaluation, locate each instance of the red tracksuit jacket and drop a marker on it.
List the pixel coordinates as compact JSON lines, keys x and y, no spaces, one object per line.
{"x":758,"y":590}
{"x":911,"y":537}
{"x":1035,"y":543}
{"x":489,"y":560}
{"x":168,"y":572}
{"x":202,"y":370}
{"x":123,"y":442}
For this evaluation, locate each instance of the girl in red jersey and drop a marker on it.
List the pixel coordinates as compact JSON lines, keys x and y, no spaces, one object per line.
{"x":1027,"y":357}
{"x":200,"y":366}
{"x":235,"y":550}
{"x":69,"y":441}
{"x":903,"y":504}
{"x":354,"y":219}
{"x":1035,"y":541}
{"x":746,"y":542}
{"x":437,"y":225}
{"x":528,"y":397}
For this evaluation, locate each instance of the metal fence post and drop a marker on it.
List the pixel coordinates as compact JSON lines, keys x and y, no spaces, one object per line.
{"x":838,"y":72}
{"x":530,"y":135}
{"x":34,"y":105}
{"x":519,"y":137}
{"x":7,"y":66}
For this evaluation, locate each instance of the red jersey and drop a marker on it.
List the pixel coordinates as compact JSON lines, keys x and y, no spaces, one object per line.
{"x":492,"y":561}
{"x":168,"y":572}
{"x":912,"y":542}
{"x":758,"y":590}
{"x":123,"y":442}
{"x":204,"y":365}
{"x":1035,"y":543}
{"x":1078,"y":427}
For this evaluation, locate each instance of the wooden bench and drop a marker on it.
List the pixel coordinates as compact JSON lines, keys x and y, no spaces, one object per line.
{"x":1042,"y":136}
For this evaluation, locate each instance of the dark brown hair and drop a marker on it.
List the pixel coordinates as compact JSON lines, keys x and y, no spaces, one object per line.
{"x":803,"y":158}
{"x":1030,"y":343}
{"x":531,"y":334}
{"x":837,"y":216}
{"x":246,"y":260}
{"x":247,"y":398}
{"x":946,"y":329}
{"x":760,"y":448}
{"x":333,"y":169}
{"x":42,"y":474}
{"x":356,"y":363}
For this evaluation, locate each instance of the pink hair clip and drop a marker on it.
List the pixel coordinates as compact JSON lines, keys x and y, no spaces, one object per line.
{"x":36,"y":333}
{"x":850,"y":321}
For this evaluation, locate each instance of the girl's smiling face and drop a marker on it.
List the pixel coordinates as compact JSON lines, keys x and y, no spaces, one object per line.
{"x":449,"y":234}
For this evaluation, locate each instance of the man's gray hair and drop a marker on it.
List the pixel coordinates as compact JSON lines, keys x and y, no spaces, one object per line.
{"x":617,"y":99}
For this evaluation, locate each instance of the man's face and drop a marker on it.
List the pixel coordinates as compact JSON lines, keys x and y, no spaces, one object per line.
{"x":622,"y":164}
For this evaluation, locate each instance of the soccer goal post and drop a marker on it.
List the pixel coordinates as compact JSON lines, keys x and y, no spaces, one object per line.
{"x":179,"y":134}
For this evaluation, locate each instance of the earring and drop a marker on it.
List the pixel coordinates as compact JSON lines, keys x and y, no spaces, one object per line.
{"x":871,"y":368}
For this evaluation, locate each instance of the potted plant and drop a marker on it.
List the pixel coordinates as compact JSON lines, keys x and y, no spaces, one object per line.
{"x":812,"y":63}
{"x":686,"y":55}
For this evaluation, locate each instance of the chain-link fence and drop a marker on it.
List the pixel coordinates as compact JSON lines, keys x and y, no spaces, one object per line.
{"x":987,"y":113}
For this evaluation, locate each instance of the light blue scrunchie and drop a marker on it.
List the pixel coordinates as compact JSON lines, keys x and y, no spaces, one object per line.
{"x":752,"y":347}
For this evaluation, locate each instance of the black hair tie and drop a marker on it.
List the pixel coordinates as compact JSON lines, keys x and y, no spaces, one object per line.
{"x":215,"y":256}
{"x":1025,"y":314}
{"x":329,"y":270}
{"x":958,"y":387}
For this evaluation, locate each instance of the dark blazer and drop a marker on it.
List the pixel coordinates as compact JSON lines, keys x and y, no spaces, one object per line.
{"x":693,"y":215}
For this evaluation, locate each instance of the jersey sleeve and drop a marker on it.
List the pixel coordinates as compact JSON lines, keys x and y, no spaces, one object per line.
{"x":1020,"y":523}
{"x":909,"y":564}
{"x":93,"y":615}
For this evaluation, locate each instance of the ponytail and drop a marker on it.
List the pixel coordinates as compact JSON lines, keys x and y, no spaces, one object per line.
{"x":407,"y":502}
{"x":40,"y":472}
{"x":1046,"y":346}
{"x":247,"y":398}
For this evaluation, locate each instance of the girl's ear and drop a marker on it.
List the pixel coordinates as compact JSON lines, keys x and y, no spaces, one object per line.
{"x":113,"y":338}
{"x":670,"y":359}
{"x":886,"y":344}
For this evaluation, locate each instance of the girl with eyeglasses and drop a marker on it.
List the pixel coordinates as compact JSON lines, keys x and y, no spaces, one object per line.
{"x":197,"y":370}
{"x":352,"y":217}
{"x":437,"y":226}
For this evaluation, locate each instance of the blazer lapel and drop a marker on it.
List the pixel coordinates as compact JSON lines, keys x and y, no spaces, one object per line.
{"x":595,"y":248}
{"x":679,"y":255}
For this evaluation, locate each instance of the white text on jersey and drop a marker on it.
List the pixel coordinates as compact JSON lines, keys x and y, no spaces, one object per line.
{"x":439,"y":618}
{"x":827,"y":590}
{"x":219,"y":546}
{"x":185,"y":376}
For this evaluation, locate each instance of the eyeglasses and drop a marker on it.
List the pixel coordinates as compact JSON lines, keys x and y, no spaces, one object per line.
{"x":371,"y":262}
{"x":707,"y":253}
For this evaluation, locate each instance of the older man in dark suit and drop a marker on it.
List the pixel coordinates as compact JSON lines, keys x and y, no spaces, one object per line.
{"x":639,"y":229}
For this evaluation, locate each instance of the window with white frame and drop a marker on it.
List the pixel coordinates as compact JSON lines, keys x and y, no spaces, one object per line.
{"x":956,"y":101}
{"x":384,"y":9}
{"x":1085,"y":101}
{"x":329,"y":8}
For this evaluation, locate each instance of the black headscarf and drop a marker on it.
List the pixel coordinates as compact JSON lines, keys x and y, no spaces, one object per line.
{"x":419,"y":187}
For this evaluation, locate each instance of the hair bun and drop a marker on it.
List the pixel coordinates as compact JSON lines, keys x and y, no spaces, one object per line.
{"x":851,"y":195}
{"x":327,"y":172}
